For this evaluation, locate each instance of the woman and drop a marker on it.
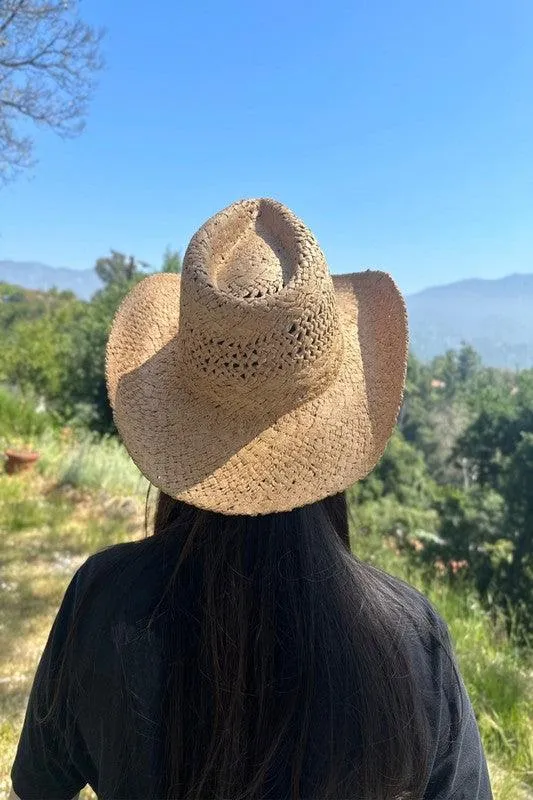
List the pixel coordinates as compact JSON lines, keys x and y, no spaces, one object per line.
{"x":242,"y":651}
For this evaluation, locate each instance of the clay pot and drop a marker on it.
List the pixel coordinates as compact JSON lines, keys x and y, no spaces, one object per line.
{"x":19,"y":460}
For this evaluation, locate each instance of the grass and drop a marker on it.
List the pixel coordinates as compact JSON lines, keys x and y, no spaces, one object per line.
{"x":19,"y":420}
{"x":89,"y":462}
{"x":86,"y":494}
{"x":498,"y":676}
{"x":500,"y":683}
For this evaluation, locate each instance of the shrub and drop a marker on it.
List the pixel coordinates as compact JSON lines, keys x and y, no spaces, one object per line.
{"x":88,"y":461}
{"x":19,"y":420}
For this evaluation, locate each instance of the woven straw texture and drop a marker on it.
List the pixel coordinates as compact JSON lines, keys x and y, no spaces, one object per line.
{"x":256,"y":382}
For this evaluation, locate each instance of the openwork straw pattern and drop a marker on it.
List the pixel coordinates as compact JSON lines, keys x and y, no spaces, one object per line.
{"x":256,"y":382}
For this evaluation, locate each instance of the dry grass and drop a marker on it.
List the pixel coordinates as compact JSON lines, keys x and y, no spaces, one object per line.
{"x":45,"y":534}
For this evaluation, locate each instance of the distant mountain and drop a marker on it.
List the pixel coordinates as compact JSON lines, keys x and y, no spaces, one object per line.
{"x":494,"y":316}
{"x":30,"y":275}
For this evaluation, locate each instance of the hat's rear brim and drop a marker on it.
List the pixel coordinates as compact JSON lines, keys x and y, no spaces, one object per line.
{"x":195,"y":451}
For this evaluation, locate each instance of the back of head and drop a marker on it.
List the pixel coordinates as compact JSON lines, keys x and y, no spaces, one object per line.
{"x":288,"y":670}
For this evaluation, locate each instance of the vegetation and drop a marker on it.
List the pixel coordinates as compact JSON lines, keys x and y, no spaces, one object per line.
{"x":118,"y":268}
{"x":171,"y":261}
{"x":19,"y":420}
{"x":449,"y":507}
{"x":54,"y":344}
{"x":473,"y":426}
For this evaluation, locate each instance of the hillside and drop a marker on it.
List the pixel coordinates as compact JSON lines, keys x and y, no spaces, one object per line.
{"x":31,"y":275}
{"x":492,"y":315}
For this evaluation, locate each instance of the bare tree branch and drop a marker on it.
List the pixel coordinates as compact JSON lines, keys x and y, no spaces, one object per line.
{"x":11,"y":16}
{"x":48,"y":61}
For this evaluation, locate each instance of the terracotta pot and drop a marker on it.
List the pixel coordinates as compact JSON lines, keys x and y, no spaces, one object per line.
{"x":19,"y":460}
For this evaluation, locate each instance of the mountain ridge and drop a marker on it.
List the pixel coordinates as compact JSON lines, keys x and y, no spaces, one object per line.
{"x":514,"y":280}
{"x":493,"y":315}
{"x":35,"y":275}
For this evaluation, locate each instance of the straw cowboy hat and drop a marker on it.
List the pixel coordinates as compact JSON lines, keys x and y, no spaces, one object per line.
{"x":256,"y":382}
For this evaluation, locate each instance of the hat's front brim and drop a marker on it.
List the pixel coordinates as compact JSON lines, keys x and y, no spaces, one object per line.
{"x":195,"y":451}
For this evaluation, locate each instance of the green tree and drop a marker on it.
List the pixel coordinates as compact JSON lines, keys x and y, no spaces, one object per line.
{"x":445,"y":368}
{"x":35,"y":350}
{"x":17,"y":304}
{"x":55,"y":348}
{"x":472,"y":532}
{"x":517,"y":585}
{"x":493,"y":391}
{"x":498,"y":447}
{"x":171,"y":261}
{"x":468,"y":364}
{"x":490,"y":441}
{"x":396,"y":498}
{"x":402,"y":473}
{"x":119,"y":268}
{"x":84,"y":368}
{"x":414,"y":421}
{"x":435,"y":413}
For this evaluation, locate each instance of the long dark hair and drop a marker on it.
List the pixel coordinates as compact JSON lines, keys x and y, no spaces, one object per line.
{"x":288,"y":668}
{"x":286,"y":660}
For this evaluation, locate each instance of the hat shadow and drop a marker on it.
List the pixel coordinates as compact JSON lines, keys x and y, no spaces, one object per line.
{"x":177,"y":433}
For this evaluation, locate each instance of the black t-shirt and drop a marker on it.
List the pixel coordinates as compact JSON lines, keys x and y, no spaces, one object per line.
{"x":118,"y":756}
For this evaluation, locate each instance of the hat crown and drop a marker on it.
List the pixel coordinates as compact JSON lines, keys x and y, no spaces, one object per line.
{"x":258,"y":316}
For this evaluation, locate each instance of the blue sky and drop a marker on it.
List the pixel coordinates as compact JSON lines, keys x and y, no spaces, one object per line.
{"x":401,"y":133}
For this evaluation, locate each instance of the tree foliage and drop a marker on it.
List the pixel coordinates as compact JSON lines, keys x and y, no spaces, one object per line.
{"x":484,"y":473}
{"x":48,"y":61}
{"x":85,"y":368}
{"x":401,"y":473}
{"x":119,"y":268}
{"x":171,"y":261}
{"x":517,"y":581}
{"x":54,"y":344}
{"x":36,"y":340}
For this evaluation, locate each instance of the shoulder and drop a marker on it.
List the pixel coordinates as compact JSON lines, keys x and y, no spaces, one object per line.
{"x":114,"y":563}
{"x":416,"y":610}
{"x":108,"y":557}
{"x":119,"y":579}
{"x":440,"y":682}
{"x":112,"y":592}
{"x":425,"y":638}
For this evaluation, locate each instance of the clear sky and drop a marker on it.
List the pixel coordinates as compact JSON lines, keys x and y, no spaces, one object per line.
{"x":400,"y":132}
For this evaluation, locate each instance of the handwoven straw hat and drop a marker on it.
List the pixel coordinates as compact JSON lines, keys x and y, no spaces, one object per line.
{"x":256,"y":382}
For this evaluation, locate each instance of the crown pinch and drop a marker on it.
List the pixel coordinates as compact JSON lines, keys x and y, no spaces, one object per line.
{"x":258,"y":316}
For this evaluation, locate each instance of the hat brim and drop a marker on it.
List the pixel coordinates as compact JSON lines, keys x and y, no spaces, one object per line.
{"x":191,"y":449}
